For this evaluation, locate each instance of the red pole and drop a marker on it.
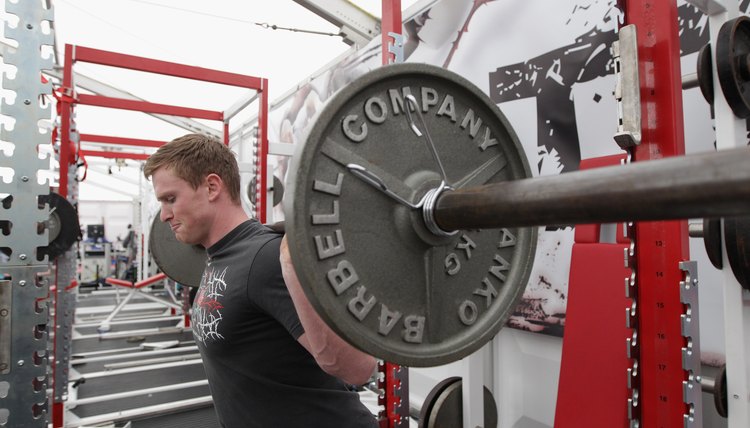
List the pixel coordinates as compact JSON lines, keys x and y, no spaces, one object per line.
{"x":390,"y":23}
{"x":66,"y":115}
{"x":390,"y":417}
{"x":660,"y":246}
{"x":263,"y":151}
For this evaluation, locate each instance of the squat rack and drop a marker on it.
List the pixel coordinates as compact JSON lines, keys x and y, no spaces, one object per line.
{"x":729,"y":132}
{"x":70,"y":138}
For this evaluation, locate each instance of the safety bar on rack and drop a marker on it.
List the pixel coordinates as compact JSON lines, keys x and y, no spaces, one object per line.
{"x":140,"y":284}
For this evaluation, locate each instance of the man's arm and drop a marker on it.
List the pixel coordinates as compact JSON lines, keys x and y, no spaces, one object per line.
{"x":334,"y":355}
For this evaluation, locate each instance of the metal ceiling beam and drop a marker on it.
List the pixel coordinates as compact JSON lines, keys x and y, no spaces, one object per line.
{"x":355,"y":24}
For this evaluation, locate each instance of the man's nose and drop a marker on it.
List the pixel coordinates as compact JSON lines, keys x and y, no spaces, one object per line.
{"x":165,"y":214}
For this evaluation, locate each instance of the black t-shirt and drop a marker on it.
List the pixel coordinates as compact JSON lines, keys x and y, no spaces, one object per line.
{"x":246,"y":328}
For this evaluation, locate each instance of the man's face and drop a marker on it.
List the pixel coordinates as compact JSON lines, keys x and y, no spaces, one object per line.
{"x":184,"y":208}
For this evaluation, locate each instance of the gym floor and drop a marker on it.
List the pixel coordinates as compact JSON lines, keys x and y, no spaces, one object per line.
{"x":145,"y":371}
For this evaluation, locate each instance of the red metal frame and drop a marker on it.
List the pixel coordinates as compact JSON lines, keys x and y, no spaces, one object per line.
{"x":596,"y":302}
{"x":390,"y":383}
{"x":114,"y":155}
{"x":119,"y":60}
{"x":69,"y":98}
{"x":262,"y":161}
{"x":391,"y":22}
{"x":660,"y":246}
{"x":105,"y":139}
{"x":140,"y":284}
{"x":75,"y":54}
{"x":147,"y":107}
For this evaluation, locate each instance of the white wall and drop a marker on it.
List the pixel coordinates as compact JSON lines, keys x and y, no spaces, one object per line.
{"x":114,"y":215}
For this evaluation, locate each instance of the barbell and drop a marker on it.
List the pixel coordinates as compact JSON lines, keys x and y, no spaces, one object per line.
{"x":411,"y":211}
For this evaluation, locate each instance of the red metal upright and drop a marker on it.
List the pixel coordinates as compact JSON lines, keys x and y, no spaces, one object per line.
{"x":596,"y":302}
{"x":393,"y":400}
{"x":660,"y":246}
{"x":66,"y":118}
{"x":262,"y":160}
{"x":391,"y":22}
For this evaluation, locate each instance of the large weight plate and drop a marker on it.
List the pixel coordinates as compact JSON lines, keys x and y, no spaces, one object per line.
{"x":64,"y":229}
{"x":712,"y":241}
{"x":732,"y":48}
{"x":278,"y":190}
{"x":720,"y":392}
{"x":443,"y":406}
{"x":371,"y":269}
{"x":182,"y":263}
{"x":737,"y":239}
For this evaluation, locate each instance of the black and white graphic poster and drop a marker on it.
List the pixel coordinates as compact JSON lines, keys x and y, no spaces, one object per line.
{"x":549,"y":68}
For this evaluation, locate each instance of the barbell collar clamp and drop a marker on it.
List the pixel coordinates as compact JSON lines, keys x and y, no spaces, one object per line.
{"x":428,"y":211}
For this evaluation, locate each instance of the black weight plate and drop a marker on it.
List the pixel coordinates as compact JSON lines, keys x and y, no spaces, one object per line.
{"x":278,"y":190}
{"x":720,"y":392}
{"x":182,"y":263}
{"x":705,"y":73}
{"x":369,"y":266}
{"x":737,"y":238}
{"x":5,"y":224}
{"x":64,"y":229}
{"x":732,"y":48}
{"x":447,"y":408}
{"x":429,"y":402}
{"x":712,"y":241}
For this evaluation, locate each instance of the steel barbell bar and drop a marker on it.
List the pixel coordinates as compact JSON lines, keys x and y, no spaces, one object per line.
{"x":703,"y":185}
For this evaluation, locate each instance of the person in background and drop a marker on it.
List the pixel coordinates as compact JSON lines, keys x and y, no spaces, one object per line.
{"x":269,"y":358}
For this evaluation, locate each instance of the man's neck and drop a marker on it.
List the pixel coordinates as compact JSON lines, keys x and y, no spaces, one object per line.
{"x":225,"y":221}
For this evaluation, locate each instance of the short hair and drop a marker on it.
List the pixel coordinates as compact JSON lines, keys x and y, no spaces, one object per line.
{"x":192,"y":157}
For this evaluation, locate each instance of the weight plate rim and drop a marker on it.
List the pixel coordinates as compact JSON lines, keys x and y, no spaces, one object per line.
{"x":440,"y":399}
{"x":726,"y":68}
{"x":196,"y":251}
{"x":736,"y":256}
{"x":712,"y":241}
{"x":526,"y":237}
{"x":705,"y":73}
{"x":720,"y":392}
{"x":278,"y":191}
{"x":68,"y":232}
{"x":429,"y":401}
{"x":491,"y":417}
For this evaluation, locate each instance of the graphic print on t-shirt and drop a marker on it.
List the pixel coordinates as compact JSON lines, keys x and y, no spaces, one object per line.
{"x":207,"y":308}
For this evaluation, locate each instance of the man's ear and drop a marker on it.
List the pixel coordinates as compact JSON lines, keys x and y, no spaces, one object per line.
{"x":215,"y":185}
